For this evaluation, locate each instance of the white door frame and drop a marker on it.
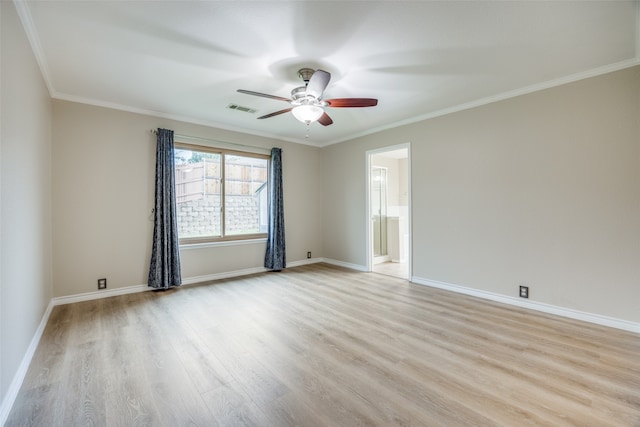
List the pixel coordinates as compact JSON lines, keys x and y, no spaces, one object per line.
{"x":369,"y":214}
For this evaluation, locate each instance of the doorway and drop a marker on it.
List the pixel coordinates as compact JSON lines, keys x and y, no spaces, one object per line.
{"x":389,"y":210}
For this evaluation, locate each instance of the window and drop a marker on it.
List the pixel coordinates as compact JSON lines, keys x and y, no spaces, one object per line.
{"x":220,"y":194}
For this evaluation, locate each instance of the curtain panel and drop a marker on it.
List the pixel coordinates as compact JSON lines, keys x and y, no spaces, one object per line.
{"x":164,"y":269}
{"x":275,"y":257}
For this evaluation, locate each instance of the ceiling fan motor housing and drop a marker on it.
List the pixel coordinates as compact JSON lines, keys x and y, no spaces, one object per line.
{"x":299,"y":96}
{"x":299,"y":93}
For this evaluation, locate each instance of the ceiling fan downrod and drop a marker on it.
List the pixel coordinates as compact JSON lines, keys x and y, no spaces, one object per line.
{"x":305,"y":74}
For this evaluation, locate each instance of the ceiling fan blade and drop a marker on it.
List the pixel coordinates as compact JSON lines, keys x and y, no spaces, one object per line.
{"x":277,"y":113}
{"x":325,"y":120}
{"x":318,"y":83}
{"x":351,"y":102}
{"x":264,"y":95}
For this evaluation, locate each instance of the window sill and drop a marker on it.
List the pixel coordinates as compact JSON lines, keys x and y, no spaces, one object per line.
{"x":189,"y":246}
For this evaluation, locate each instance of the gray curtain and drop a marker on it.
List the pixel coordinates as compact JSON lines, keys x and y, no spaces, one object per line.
{"x":275,"y":258}
{"x":164,"y":269}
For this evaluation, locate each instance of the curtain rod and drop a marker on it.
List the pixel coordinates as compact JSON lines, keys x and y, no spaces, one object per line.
{"x":214,"y":141}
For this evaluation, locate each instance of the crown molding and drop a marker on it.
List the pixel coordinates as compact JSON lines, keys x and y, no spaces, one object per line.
{"x":505,"y":95}
{"x":136,"y":110}
{"x":34,"y":40}
{"x":25,"y":17}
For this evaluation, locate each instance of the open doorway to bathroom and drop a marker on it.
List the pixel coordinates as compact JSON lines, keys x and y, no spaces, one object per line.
{"x":388,"y":199}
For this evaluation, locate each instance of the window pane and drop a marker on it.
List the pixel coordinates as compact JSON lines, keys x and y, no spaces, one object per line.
{"x":198,"y":177}
{"x":245,"y":194}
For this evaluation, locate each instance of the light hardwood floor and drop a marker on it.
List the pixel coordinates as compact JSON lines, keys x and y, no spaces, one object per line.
{"x":324,"y":346}
{"x":395,"y":269}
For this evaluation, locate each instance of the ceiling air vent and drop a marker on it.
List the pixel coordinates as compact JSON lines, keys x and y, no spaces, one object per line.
{"x":241,"y":108}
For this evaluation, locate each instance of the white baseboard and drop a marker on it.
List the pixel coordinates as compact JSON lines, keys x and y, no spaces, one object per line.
{"x":345,"y":264}
{"x":18,"y":378}
{"x":99,"y":294}
{"x":538,"y":306}
{"x":304,"y":262}
{"x":186,"y":281}
{"x":239,"y":273}
{"x":381,"y":259}
{"x":14,"y":388}
{"x":224,"y":275}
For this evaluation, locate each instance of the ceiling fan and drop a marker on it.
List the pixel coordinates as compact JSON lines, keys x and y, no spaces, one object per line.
{"x":307,"y":103}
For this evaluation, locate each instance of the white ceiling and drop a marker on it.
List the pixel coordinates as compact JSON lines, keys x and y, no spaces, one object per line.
{"x":185,"y":59}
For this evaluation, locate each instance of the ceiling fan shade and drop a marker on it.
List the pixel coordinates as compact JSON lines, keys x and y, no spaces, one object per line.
{"x":307,"y":113}
{"x":307,"y":103}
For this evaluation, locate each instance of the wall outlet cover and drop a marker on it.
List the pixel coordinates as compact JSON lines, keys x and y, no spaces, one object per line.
{"x":524,"y":292}
{"x":102,"y":283}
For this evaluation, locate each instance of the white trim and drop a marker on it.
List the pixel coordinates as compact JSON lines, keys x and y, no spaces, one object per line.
{"x":368,"y":236}
{"x":381,"y":259}
{"x":245,"y":272}
{"x":34,"y":40}
{"x":498,"y":97}
{"x":27,"y":22}
{"x":176,"y":117}
{"x":638,"y":30}
{"x":304,"y":262}
{"x":369,"y":214}
{"x":224,"y":275}
{"x":533,"y":305}
{"x":5,"y":407}
{"x":14,"y":388}
{"x":409,"y":254}
{"x":345,"y":264}
{"x":88,"y":296}
{"x":461,"y":107}
{"x":224,"y":145}
{"x":18,"y":378}
{"x":189,"y":246}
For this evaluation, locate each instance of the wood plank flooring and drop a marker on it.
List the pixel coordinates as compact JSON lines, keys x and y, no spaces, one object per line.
{"x":395,"y":269}
{"x":324,"y":346}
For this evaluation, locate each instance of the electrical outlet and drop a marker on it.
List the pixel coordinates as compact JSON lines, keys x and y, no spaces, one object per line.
{"x":524,"y":292}
{"x":308,"y":254}
{"x":102,"y":283}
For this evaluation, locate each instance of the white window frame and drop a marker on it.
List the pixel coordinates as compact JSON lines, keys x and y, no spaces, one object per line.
{"x":223,"y":237}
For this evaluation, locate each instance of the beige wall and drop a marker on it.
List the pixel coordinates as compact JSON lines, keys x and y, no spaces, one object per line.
{"x":344,"y":214}
{"x":103,"y":169}
{"x":25,"y":196}
{"x":541,"y":190}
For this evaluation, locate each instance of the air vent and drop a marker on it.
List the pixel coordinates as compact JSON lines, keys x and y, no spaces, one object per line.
{"x":241,"y":108}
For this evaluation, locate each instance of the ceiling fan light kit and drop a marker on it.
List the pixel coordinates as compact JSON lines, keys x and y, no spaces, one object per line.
{"x":308,"y":106}
{"x":307,"y":113}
